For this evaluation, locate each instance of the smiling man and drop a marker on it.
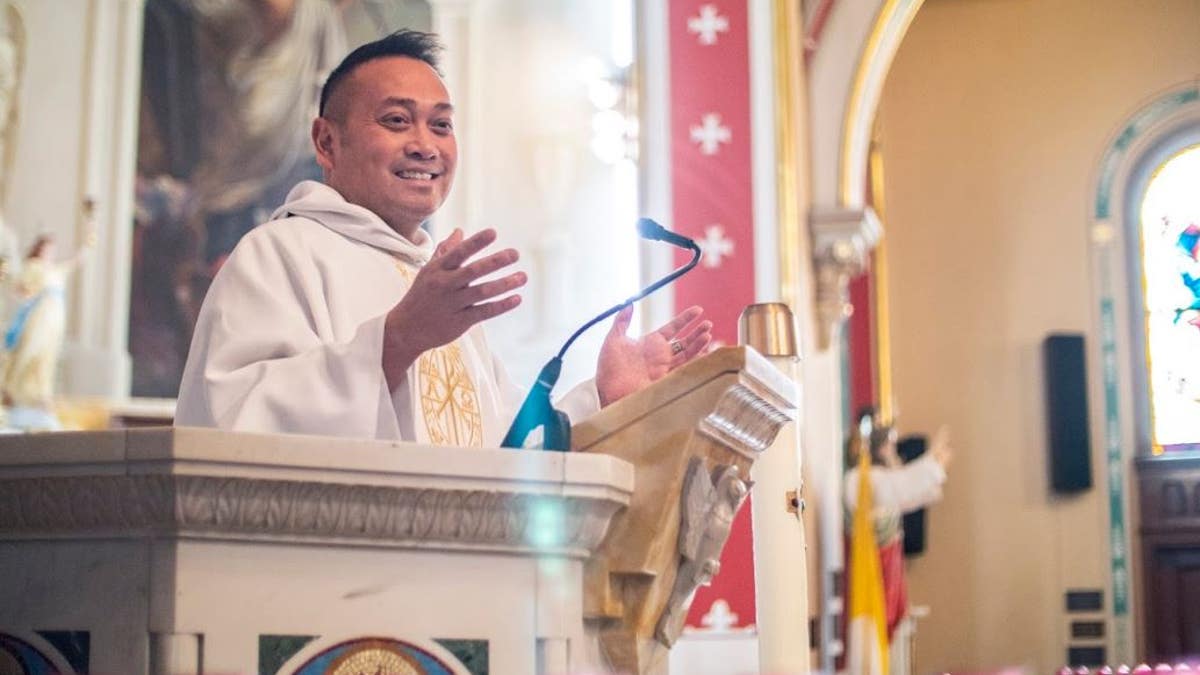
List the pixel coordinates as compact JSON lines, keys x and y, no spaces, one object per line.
{"x":341,"y":317}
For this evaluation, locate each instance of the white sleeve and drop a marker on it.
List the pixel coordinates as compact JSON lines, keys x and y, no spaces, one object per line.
{"x":911,"y":486}
{"x":581,"y":402}
{"x":264,"y":357}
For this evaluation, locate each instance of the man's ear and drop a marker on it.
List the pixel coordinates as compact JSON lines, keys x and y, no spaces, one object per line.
{"x":323,"y":137}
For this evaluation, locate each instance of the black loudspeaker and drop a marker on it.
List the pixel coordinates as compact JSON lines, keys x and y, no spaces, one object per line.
{"x":910,"y":448}
{"x":1067,"y":413}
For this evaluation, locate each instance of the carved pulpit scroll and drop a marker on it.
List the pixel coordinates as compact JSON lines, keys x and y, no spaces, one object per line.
{"x":692,"y":438}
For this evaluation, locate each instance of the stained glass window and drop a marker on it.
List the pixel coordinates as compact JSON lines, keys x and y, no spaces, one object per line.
{"x":1170,"y":223}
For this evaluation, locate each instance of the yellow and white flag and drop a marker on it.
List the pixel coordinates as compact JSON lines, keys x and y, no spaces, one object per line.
{"x":866,"y":628}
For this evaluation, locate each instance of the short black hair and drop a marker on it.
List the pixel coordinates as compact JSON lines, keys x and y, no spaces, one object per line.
{"x":412,"y":44}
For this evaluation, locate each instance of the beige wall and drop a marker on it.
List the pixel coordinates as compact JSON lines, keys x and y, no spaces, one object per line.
{"x":994,"y":116}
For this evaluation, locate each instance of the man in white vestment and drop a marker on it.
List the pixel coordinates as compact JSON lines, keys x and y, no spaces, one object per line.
{"x":341,"y":317}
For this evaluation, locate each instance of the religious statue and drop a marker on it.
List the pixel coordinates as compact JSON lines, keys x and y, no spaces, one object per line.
{"x":709,"y":505}
{"x":34,"y":338}
{"x":897,"y":488}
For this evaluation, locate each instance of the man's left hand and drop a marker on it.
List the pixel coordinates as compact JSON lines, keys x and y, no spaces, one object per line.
{"x":627,"y":365}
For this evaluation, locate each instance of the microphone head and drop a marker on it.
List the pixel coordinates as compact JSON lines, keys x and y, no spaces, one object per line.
{"x":648,"y":229}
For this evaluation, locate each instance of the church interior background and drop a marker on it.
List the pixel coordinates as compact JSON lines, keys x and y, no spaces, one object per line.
{"x":933,"y":186}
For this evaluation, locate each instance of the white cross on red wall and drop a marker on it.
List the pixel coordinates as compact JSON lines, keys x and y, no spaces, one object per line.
{"x":708,"y":25}
{"x":715,"y":245}
{"x":710,"y":134}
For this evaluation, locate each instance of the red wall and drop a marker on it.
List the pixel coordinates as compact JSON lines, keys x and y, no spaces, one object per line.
{"x":712,"y":202}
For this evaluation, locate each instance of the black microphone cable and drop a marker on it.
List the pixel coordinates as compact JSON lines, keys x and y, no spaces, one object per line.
{"x":662,"y":234}
{"x":537,"y":411}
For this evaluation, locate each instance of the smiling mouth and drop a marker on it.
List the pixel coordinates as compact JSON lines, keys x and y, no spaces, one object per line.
{"x":416,"y":175}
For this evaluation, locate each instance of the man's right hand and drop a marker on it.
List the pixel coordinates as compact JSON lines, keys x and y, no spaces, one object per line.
{"x":940,"y":447}
{"x":444,"y":300}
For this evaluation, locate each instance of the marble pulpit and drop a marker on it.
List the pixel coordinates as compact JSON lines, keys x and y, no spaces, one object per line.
{"x":181,"y":551}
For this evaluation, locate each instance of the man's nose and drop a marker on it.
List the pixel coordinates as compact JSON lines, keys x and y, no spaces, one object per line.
{"x":420,"y":145}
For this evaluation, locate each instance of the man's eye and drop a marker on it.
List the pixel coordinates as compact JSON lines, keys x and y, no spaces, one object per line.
{"x":395,"y":120}
{"x":445,"y":126}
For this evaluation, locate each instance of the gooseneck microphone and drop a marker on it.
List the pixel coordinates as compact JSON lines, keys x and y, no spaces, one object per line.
{"x":537,"y":411}
{"x":648,"y":229}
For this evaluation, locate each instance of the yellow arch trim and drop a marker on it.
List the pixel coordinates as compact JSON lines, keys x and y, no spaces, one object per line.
{"x":891,"y":24}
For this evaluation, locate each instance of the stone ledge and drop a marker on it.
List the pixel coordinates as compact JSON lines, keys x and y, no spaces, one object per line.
{"x":144,"y":506}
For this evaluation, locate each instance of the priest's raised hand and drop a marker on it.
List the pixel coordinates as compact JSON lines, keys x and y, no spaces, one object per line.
{"x":444,"y":300}
{"x":627,"y":364}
